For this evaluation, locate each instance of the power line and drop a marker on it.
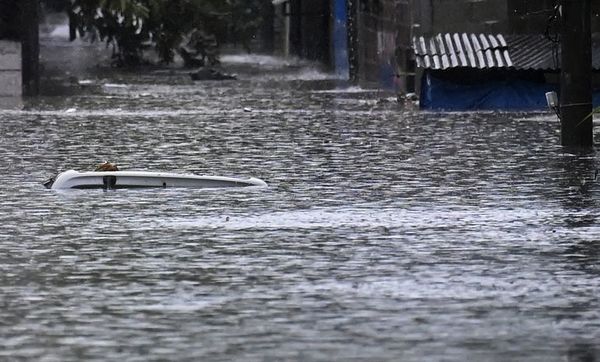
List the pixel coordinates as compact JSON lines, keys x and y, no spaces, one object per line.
{"x":552,"y":31}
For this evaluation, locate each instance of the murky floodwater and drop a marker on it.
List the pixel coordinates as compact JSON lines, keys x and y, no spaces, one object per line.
{"x":385,"y":235}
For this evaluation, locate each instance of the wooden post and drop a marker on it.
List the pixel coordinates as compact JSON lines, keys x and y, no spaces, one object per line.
{"x":576,"y":74}
{"x":30,"y":44}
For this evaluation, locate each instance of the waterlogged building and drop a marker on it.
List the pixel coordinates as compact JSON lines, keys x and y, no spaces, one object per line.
{"x":457,"y":54}
{"x":490,"y":54}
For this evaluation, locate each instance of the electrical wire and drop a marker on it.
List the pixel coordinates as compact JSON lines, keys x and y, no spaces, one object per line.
{"x":552,"y":32}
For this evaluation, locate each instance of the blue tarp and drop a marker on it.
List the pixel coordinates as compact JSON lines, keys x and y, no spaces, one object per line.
{"x":508,"y":94}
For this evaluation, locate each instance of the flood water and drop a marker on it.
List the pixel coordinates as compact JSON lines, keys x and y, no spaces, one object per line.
{"x":384,"y":235}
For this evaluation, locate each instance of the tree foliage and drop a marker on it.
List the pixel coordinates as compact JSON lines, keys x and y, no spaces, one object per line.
{"x":131,"y":26}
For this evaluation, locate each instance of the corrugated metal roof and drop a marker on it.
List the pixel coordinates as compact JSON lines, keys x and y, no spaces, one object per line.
{"x":445,"y":51}
{"x":525,"y":52}
{"x":534,"y":52}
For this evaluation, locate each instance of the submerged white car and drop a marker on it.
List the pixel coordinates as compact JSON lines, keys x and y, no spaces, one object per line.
{"x":72,"y":179}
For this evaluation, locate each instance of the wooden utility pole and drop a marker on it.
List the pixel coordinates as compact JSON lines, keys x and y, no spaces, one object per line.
{"x":576,"y":74}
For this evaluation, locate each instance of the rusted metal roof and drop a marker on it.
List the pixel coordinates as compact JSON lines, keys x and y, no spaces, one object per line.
{"x":485,"y":51}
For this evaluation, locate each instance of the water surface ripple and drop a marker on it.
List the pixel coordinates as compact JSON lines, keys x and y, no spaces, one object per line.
{"x":385,"y":235}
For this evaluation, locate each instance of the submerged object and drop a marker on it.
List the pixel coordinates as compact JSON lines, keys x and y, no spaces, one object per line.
{"x":552,"y":101}
{"x":110,"y":180}
{"x":211,"y":74}
{"x":189,"y":59}
{"x":107,"y":166}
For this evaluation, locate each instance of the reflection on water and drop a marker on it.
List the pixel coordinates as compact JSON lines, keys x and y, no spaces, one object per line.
{"x":384,"y":235}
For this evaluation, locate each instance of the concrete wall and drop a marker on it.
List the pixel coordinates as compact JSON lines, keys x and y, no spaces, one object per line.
{"x":382,"y":46}
{"x":10,"y":69}
{"x":303,"y":29}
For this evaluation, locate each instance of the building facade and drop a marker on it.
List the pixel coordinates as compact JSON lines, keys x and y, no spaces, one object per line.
{"x":380,"y":33}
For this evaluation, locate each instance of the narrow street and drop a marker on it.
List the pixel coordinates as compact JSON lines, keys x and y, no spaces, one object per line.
{"x":385,"y":234}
